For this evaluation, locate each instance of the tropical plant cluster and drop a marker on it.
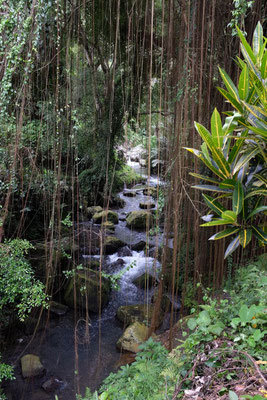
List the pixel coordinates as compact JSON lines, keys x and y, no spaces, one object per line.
{"x":234,"y":153}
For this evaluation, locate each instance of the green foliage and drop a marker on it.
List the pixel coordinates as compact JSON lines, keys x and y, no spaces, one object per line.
{"x":141,"y":380}
{"x":240,"y":9}
{"x":126,"y":175}
{"x":235,"y":151}
{"x":237,"y":322}
{"x":6,"y":372}
{"x":18,"y":287}
{"x":114,"y":279}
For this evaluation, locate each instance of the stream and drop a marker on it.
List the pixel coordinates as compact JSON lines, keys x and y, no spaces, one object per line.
{"x":98,"y":356}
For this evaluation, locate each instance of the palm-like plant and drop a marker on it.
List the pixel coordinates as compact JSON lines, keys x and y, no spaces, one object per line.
{"x":235,"y":152}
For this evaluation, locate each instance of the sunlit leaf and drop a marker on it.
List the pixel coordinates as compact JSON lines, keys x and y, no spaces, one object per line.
{"x":212,"y":188}
{"x":235,"y":102}
{"x":245,"y":158}
{"x":204,"y":178}
{"x":243,"y":85}
{"x":246,"y":45}
{"x":224,"y":233}
{"x":259,"y":233}
{"x":245,"y":236}
{"x":257,"y":39}
{"x":230,"y":215}
{"x":214,"y":204}
{"x":216,"y":129}
{"x":238,"y":198}
{"x":232,"y":246}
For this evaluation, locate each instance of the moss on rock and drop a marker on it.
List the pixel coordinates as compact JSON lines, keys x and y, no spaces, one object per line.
{"x":139,"y":219}
{"x":104,"y":216}
{"x":87,"y":285}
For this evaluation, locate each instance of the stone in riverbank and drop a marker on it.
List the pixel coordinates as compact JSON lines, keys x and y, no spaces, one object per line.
{"x":87,"y":288}
{"x":58,"y":309}
{"x":150,"y":191}
{"x":93,"y":210}
{"x":139,"y":219}
{"x":146,"y":205}
{"x":136,"y":313}
{"x":129,"y":193}
{"x":112,"y":244}
{"x":104,"y":216}
{"x":133,"y":336}
{"x":108,"y":226}
{"x":31,"y":366}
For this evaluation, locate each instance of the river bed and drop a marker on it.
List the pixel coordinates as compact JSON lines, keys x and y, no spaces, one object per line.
{"x":68,"y":354}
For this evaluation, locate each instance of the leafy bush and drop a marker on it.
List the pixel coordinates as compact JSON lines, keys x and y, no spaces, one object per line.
{"x":217,"y":339}
{"x":235,"y":151}
{"x":18,"y":287}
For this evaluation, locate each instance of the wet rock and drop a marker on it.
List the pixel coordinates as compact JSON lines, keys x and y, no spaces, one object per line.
{"x":133,"y":336}
{"x":146,"y":205}
{"x":93,"y":210}
{"x":116,"y":201}
{"x":134,"y":158}
{"x":145,"y":281}
{"x":31,"y":366}
{"x":129,"y":193}
{"x":58,"y":309}
{"x":137,"y":313}
{"x":104,"y":216}
{"x":142,"y":162}
{"x":87,"y":290}
{"x":122,"y":218}
{"x":115,"y":265}
{"x":139,"y":219}
{"x":150,"y":191}
{"x":152,"y":252}
{"x":108,"y":226}
{"x":139,"y":246}
{"x":112,"y":244}
{"x":53,"y":384}
{"x":124,"y":252}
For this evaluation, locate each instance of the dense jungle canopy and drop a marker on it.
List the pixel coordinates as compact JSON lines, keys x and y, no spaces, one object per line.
{"x":87,"y":85}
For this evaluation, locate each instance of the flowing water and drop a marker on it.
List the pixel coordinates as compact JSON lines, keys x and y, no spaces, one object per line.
{"x":96,"y":354}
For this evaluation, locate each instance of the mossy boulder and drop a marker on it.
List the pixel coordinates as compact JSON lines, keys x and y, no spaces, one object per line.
{"x":139,"y":219}
{"x":133,"y":336}
{"x":150,"y":191}
{"x":108,"y":226}
{"x":93,"y":210}
{"x":31,"y":366}
{"x":146,"y":204}
{"x":104,"y":216}
{"x":112,"y":244}
{"x":136,"y":313}
{"x":87,"y":290}
{"x":129,"y":193}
